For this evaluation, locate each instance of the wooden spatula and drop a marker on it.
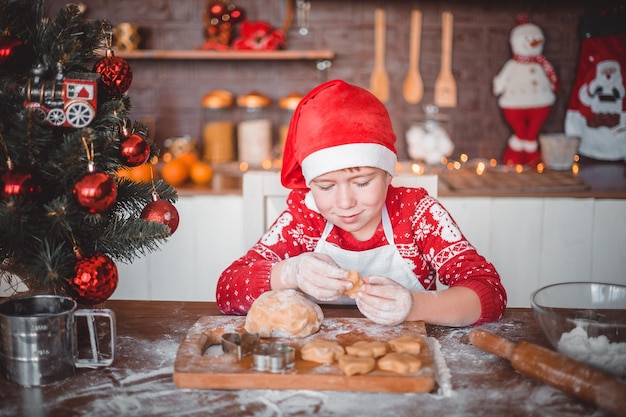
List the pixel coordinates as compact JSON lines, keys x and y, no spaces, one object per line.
{"x":413,"y":87}
{"x":445,"y":86}
{"x":552,"y":368}
{"x":379,"y":82}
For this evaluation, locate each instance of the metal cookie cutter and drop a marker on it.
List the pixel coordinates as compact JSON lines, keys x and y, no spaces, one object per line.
{"x":273,"y":357}
{"x":238,"y":344}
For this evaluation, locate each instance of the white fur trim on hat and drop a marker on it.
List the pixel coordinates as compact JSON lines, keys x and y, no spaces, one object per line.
{"x":348,"y":156}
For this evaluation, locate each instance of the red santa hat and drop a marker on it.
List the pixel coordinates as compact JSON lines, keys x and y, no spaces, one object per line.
{"x":336,"y":126}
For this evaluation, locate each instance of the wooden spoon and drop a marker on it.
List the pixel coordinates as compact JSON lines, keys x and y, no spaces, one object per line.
{"x":379,"y":81}
{"x":445,"y":86}
{"x":413,"y":87}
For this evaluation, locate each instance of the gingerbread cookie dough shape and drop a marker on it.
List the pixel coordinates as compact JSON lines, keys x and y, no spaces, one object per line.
{"x":367,"y":349}
{"x":400,"y":363}
{"x":353,"y":365}
{"x":356,"y":281}
{"x":283,"y":313}
{"x":406,"y":344}
{"x":322,"y":351}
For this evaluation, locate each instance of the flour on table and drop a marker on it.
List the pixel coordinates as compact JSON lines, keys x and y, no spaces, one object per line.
{"x":442,"y":372}
{"x":597,"y":351}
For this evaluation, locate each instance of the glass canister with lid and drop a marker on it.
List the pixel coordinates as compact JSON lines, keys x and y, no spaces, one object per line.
{"x":287,"y":106}
{"x":254,"y":131}
{"x":428,"y":136}
{"x":218,"y":132}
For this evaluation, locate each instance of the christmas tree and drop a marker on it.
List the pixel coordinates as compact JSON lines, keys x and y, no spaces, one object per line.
{"x":66,"y":215}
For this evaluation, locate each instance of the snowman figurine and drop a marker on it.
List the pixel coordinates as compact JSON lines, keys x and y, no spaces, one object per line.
{"x":526,"y":86}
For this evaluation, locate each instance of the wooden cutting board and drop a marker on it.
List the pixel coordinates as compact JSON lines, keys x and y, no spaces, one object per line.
{"x":500,"y":182}
{"x":200,"y":362}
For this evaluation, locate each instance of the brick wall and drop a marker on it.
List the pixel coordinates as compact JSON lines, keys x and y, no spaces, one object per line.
{"x":171,"y":90}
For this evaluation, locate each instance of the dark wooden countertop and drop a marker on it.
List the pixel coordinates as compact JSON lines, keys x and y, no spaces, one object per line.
{"x":603,"y":179}
{"x":139,"y":383}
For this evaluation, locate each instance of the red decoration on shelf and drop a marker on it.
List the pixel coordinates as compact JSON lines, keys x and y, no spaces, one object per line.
{"x":161,"y":211}
{"x":134,"y":150}
{"x":96,"y":191}
{"x":94,"y":281}
{"x":259,"y":36}
{"x":116,"y":75}
{"x":19,"y":182}
{"x":220,"y":18}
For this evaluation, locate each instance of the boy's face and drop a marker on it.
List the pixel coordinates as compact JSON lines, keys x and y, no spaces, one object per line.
{"x":352,"y":199}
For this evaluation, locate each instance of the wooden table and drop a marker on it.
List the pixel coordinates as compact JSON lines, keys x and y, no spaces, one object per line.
{"x":139,"y":383}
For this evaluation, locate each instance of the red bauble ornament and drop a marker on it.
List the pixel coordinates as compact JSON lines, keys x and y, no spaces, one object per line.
{"x":163,"y":212}
{"x":8,"y":45}
{"x":19,"y":182}
{"x":134,"y":150}
{"x":94,"y":281}
{"x":96,"y":191}
{"x":116,"y":75}
{"x":10,"y":48}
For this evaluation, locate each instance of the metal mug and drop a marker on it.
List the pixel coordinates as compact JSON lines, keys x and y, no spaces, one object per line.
{"x":38,"y":339}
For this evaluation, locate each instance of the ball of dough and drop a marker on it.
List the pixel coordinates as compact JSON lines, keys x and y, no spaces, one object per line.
{"x":283,"y":313}
{"x":356,"y":281}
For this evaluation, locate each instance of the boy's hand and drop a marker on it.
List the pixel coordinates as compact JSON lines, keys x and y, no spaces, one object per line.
{"x":315,"y":274}
{"x":384,"y":301}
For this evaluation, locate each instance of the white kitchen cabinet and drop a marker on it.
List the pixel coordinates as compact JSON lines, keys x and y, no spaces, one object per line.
{"x":208,"y":239}
{"x":608,"y":241}
{"x":507,"y":232}
{"x":532,"y":242}
{"x":566,"y":246}
{"x":539,"y":241}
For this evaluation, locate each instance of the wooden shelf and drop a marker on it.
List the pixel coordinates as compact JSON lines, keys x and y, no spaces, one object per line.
{"x":284,"y":55}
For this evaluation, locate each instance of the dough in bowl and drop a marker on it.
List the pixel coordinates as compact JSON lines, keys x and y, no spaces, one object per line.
{"x":284,"y":313}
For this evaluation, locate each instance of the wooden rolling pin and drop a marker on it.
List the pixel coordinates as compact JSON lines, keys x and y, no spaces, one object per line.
{"x":552,"y":368}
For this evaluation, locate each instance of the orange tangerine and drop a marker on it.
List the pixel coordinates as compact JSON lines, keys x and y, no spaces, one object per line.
{"x":139,"y":173}
{"x":175,"y":172}
{"x":189,"y":158}
{"x":200,"y":172}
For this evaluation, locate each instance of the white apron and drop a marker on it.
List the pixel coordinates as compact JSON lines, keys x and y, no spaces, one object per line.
{"x":384,"y":261}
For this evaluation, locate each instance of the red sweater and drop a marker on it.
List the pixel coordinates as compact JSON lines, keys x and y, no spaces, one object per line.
{"x":424,"y":233}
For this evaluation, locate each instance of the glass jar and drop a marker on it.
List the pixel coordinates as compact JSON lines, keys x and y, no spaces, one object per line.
{"x":254,"y":131}
{"x":287,"y":106}
{"x":428,"y":136}
{"x":218,"y":132}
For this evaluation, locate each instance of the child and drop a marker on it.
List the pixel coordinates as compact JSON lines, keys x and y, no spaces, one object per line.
{"x":343,"y":214}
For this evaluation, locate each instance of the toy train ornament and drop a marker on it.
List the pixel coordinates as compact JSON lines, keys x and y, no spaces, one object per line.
{"x":69,"y":101}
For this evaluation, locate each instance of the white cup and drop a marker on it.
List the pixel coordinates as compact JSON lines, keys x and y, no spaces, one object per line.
{"x":558,"y":150}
